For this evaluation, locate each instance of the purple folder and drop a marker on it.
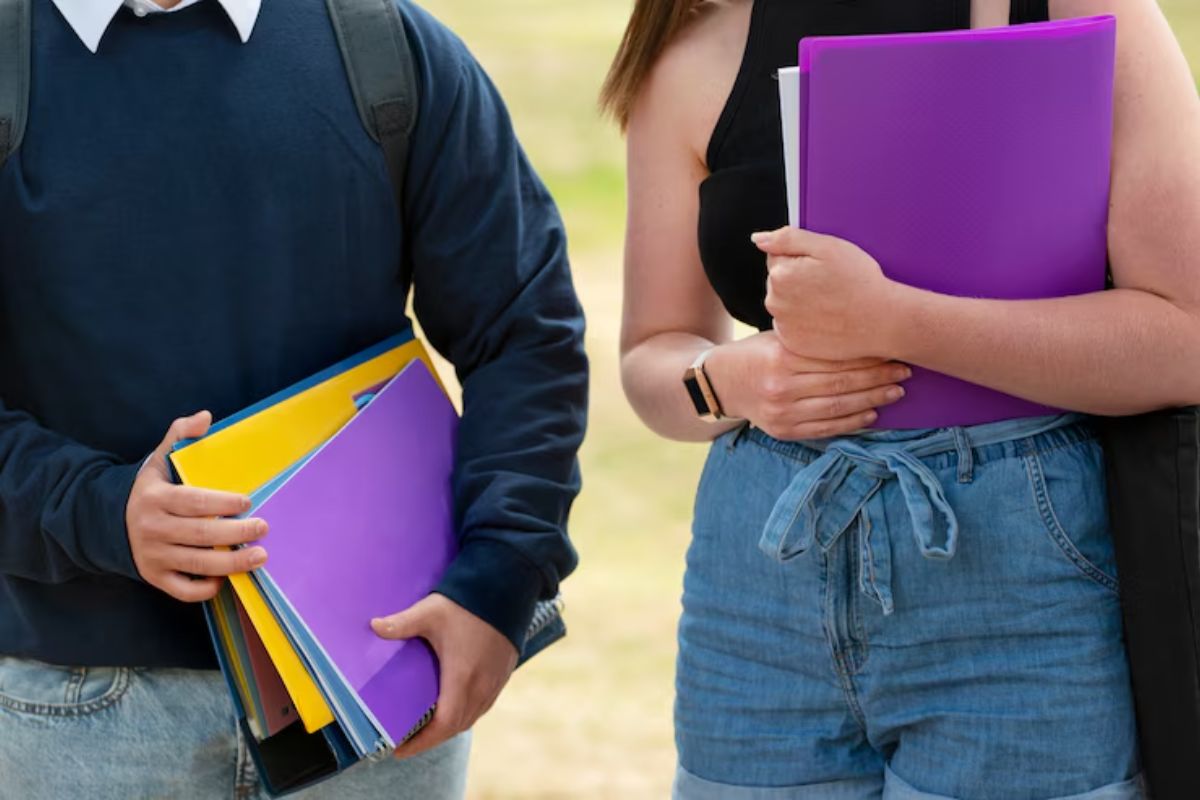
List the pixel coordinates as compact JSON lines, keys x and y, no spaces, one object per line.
{"x":365,"y":528}
{"x":971,"y":163}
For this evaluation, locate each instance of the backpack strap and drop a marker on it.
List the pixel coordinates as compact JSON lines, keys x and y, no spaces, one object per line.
{"x":382,"y":75}
{"x":15,"y":39}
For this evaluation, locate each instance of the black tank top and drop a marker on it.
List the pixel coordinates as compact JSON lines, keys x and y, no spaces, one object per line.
{"x":745,"y":190}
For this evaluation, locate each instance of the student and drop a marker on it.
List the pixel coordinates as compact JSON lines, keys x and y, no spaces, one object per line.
{"x":197,"y":218}
{"x":879,"y":662}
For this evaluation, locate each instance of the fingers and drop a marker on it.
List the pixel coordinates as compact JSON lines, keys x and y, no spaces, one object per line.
{"x":204,"y":562}
{"x":460,"y":703}
{"x":847,"y":382}
{"x":213,"y":532}
{"x":189,"y":590}
{"x":789,"y":241}
{"x":840,"y":406}
{"x":188,"y":501}
{"x":448,"y":721}
{"x":825,"y":429}
{"x":798,"y":363}
{"x":822,"y":416}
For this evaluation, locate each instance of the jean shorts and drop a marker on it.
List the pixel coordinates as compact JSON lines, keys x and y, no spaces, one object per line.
{"x":905,"y":614}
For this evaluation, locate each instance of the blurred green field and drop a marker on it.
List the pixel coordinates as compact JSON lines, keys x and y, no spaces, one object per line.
{"x":591,"y":718}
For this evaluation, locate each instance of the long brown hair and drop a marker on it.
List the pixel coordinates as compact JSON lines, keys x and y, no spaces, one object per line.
{"x":653,"y":26}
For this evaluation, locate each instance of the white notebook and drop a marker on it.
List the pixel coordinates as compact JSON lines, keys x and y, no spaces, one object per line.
{"x":789,"y":112}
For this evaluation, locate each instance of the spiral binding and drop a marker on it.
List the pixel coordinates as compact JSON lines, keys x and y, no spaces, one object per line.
{"x":421,"y":723}
{"x":544,"y":613}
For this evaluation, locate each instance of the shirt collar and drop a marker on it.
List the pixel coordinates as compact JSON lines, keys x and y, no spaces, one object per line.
{"x":91,"y":18}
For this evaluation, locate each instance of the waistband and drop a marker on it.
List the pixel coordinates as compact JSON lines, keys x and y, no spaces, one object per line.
{"x":837,"y":488}
{"x":989,"y":441}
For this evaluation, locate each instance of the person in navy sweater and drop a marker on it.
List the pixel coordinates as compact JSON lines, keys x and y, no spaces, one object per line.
{"x":197,"y":218}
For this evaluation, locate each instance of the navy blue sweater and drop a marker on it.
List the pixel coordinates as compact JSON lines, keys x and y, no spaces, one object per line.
{"x":196,"y":223}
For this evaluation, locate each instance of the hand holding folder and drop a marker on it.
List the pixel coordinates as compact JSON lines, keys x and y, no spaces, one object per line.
{"x":351,"y":470}
{"x":968,"y":163}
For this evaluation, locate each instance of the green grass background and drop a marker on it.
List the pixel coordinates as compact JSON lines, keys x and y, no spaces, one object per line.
{"x":591,"y":718}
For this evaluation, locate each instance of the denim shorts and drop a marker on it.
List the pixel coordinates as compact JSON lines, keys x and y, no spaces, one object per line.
{"x":114,"y":733}
{"x":905,"y":614}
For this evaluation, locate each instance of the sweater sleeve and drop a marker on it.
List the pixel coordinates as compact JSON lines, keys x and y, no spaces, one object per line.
{"x":493,"y":293}
{"x":62,"y":505}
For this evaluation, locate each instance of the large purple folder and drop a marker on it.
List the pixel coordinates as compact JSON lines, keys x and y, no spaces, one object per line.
{"x":365,"y":529}
{"x":971,"y":163}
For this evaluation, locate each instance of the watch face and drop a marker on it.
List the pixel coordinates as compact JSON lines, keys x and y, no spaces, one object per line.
{"x":696,"y":393}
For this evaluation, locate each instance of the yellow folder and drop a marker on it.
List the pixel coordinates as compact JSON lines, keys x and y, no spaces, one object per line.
{"x":249,"y":453}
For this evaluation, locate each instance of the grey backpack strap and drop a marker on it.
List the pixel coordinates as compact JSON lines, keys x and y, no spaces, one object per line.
{"x":380,"y":65}
{"x":15,"y":42}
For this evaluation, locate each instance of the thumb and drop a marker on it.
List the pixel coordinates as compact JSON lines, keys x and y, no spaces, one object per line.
{"x":192,"y":427}
{"x":409,"y":624}
{"x":789,"y":241}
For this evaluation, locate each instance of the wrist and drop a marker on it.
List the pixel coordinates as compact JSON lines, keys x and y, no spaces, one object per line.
{"x":897,"y":322}
{"x":700,"y":391}
{"x":719,"y":367}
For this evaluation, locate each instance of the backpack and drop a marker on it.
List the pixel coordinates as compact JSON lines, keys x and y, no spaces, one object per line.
{"x":374,"y":47}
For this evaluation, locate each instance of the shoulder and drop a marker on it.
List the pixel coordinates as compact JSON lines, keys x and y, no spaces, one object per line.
{"x":691,"y":81}
{"x":442,"y":58}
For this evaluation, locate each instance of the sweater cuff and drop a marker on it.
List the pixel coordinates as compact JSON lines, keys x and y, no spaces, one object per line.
{"x":101,"y":513}
{"x":496,"y":583}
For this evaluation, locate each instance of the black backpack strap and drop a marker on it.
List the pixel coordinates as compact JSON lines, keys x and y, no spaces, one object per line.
{"x":1029,"y":11}
{"x":380,"y":66}
{"x":15,"y":42}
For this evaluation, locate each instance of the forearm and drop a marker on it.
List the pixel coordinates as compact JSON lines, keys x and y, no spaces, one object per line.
{"x":1110,"y":353}
{"x":62,"y":505}
{"x":652,"y":374}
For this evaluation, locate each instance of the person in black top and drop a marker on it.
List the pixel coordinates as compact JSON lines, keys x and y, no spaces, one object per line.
{"x":935,"y":614}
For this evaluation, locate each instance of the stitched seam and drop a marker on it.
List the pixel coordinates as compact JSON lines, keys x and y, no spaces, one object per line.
{"x":75,"y":686}
{"x":839,"y":662}
{"x":858,"y":637}
{"x":115,"y":692}
{"x":1058,"y":533}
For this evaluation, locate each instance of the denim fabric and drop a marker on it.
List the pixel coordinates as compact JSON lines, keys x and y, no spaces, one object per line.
{"x":124,"y":734}
{"x":905,"y":614}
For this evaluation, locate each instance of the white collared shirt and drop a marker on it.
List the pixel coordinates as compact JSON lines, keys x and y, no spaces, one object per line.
{"x":91,"y":18}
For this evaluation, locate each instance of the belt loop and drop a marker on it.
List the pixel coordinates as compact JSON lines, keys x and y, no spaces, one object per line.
{"x":966,"y":458}
{"x":737,"y":437}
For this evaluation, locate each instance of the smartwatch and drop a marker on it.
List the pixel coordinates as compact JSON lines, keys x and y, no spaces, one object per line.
{"x":695,"y":380}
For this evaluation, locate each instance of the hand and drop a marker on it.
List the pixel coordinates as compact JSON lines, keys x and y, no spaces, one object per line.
{"x":476,"y":662}
{"x":172,"y":528}
{"x":792,"y":397}
{"x":829,"y":298}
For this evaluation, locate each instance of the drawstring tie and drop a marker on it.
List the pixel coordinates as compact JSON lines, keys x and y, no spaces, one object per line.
{"x":842,"y":487}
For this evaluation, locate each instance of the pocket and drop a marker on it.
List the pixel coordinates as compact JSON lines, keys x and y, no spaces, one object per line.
{"x":1069,"y":489}
{"x":39,"y":689}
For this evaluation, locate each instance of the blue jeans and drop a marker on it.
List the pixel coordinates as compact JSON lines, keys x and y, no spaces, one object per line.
{"x":122,"y":734}
{"x":905,"y":614}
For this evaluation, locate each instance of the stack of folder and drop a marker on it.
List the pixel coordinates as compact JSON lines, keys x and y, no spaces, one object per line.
{"x":351,"y":470}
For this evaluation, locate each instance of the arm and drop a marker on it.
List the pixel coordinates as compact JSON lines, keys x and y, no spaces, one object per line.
{"x":1124,"y":351}
{"x":62,"y":505}
{"x":493,"y":293}
{"x":671,"y":313}
{"x":67,"y":511}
